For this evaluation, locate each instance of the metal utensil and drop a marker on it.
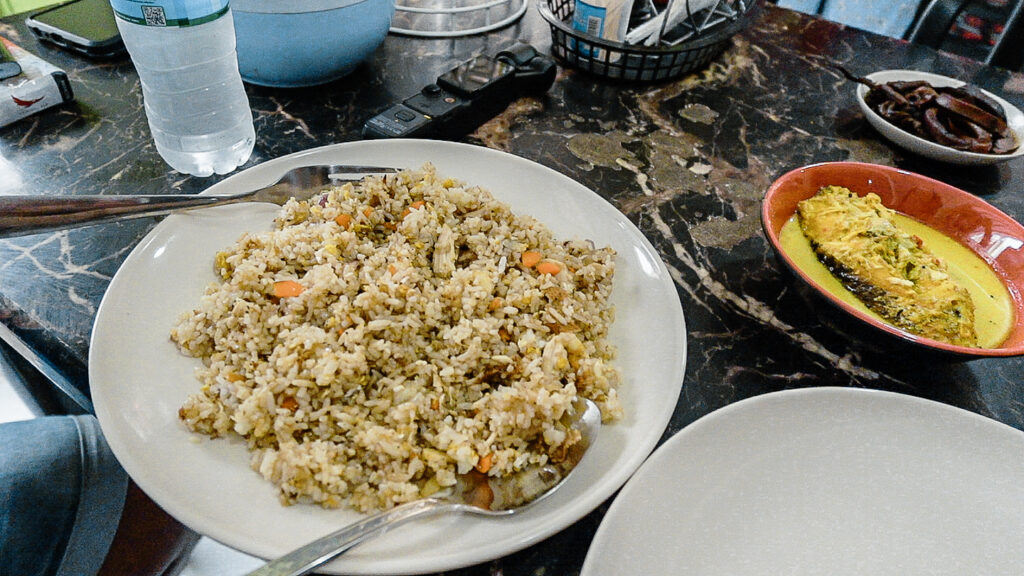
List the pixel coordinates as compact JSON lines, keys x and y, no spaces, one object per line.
{"x":511,"y":495}
{"x":20,"y":215}
{"x":46,"y":369}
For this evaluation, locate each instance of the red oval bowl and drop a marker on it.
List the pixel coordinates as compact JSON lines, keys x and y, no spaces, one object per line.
{"x":991,"y":234}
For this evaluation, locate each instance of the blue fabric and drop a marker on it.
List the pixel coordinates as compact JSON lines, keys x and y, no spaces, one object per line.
{"x":61,"y":497}
{"x":887,"y":17}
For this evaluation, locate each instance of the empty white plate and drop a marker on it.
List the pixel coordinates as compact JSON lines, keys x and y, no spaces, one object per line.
{"x":823,"y":481}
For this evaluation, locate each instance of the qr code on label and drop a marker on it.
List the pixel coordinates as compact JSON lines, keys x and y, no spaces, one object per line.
{"x":154,"y":15}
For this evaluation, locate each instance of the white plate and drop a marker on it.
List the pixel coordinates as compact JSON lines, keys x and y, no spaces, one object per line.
{"x":926,"y":148}
{"x":139,"y":379}
{"x":823,"y":481}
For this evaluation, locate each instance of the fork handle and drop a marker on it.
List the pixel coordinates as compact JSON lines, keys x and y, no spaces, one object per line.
{"x":20,"y":215}
{"x":319,"y":552}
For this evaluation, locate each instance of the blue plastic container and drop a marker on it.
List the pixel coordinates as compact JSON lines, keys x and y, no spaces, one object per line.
{"x":293,"y":43}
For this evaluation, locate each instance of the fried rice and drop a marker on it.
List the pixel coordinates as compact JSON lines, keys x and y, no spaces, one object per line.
{"x":392,"y":334}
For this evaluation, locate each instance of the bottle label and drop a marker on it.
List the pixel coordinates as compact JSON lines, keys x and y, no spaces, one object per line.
{"x":589,"y":19}
{"x":166,"y":13}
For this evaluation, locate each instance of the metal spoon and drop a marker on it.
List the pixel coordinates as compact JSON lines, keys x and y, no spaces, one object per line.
{"x":20,"y":215}
{"x":510,"y":495}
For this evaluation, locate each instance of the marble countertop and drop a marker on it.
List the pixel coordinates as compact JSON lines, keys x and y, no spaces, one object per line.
{"x":688,"y":161}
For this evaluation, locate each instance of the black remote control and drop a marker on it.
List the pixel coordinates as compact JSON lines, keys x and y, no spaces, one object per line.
{"x":466,"y":96}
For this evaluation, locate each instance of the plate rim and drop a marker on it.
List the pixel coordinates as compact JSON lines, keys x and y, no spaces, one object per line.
{"x":611,"y":480}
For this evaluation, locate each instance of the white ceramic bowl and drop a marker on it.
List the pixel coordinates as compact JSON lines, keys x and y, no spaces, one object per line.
{"x":927,"y":148}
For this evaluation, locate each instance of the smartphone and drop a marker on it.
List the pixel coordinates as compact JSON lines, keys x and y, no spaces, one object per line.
{"x":83,"y":26}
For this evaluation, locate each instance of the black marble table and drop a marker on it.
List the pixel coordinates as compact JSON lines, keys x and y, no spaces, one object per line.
{"x":688,"y":161}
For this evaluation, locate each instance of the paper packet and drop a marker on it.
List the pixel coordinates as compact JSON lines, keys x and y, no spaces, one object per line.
{"x":648,"y":32}
{"x":40,"y":85}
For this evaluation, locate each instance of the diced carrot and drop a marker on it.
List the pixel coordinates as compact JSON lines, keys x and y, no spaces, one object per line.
{"x":495,"y":304}
{"x":344,"y":220}
{"x":290,"y":403}
{"x":287,"y":288}
{"x":530,"y":258}
{"x":548,"y":267}
{"x":484,"y":463}
{"x":480,"y":494}
{"x":414,"y":206}
{"x":392,"y":269}
{"x":367,"y":211}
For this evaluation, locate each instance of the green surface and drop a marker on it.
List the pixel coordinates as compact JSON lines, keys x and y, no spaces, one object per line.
{"x":8,"y":7}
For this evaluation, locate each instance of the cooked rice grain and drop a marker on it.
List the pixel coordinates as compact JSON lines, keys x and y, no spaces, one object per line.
{"x":419,"y":346}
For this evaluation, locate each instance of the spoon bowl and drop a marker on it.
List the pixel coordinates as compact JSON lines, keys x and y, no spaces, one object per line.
{"x":473,"y":494}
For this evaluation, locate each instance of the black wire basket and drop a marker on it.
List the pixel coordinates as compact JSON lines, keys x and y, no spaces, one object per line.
{"x":687,"y":47}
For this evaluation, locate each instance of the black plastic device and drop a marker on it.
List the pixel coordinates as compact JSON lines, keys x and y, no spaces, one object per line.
{"x":83,"y":26}
{"x":466,"y":96}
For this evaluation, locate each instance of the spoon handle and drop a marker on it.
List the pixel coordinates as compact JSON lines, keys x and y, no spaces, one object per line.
{"x":316,"y":553}
{"x":20,"y":215}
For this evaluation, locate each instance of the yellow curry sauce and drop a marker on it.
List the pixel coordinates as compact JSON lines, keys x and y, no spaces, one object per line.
{"x":994,"y":315}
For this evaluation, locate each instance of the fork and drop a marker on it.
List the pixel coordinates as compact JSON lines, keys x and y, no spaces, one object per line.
{"x":20,"y":215}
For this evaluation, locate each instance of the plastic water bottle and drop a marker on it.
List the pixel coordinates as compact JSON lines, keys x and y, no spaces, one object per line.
{"x":184,"y":53}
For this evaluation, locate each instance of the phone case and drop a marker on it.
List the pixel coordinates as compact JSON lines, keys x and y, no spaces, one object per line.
{"x":47,"y":32}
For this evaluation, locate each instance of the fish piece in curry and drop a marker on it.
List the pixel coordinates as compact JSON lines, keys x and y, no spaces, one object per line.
{"x":889,"y":270}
